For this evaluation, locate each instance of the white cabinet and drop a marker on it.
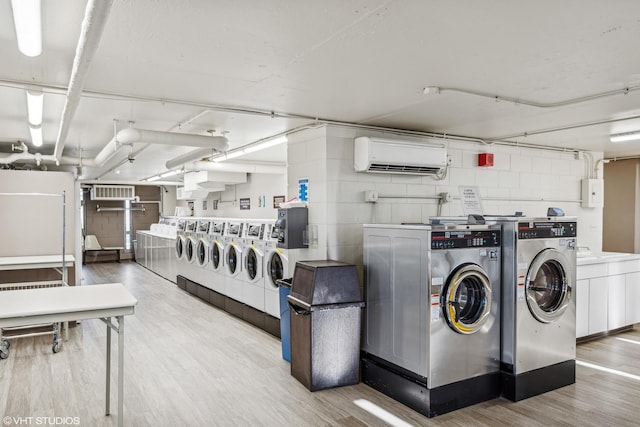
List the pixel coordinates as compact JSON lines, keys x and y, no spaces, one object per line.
{"x":632,"y":300}
{"x":616,"y":305}
{"x":582,"y":308}
{"x":607,"y":295}
{"x":598,"y":292}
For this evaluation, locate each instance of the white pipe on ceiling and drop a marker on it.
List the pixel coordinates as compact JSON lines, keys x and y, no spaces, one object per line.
{"x":279,"y":168}
{"x":95,"y":20}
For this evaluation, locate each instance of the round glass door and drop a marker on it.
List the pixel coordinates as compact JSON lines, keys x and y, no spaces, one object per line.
{"x":179,"y":247}
{"x":467,"y":299}
{"x":215,"y":256}
{"x":276,"y":269}
{"x":548,"y":285}
{"x":201,"y":252}
{"x":232,"y":260}
{"x":189,"y":250}
{"x":252,"y":264}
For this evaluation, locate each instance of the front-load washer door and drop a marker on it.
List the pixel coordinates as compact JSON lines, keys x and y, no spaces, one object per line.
{"x":216,"y":256}
{"x":253,"y":264}
{"x":548,"y":285}
{"x":180,"y":246}
{"x":233,"y":260}
{"x":190,"y":250}
{"x":275,"y":269}
{"x":467,"y":299}
{"x":201,"y":252}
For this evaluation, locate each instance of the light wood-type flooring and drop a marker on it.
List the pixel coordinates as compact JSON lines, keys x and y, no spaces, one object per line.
{"x":189,"y":364}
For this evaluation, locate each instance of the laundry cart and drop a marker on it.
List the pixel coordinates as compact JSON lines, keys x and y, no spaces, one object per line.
{"x":325,"y":319}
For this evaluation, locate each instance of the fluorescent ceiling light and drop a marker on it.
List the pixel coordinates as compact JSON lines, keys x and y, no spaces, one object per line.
{"x":170,"y":173}
{"x":153,"y":178}
{"x":28,"y":23}
{"x":36,"y":135}
{"x":230,"y":155}
{"x":35,"y":101}
{"x":622,"y":137}
{"x":270,"y":143}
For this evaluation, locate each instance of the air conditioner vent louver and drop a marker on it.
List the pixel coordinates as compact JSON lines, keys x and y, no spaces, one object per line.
{"x":379,"y":155}
{"x":113,"y":192}
{"x":414,"y":170}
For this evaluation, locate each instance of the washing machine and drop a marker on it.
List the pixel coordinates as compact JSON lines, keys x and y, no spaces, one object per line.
{"x":253,"y":255}
{"x":216,"y":279}
{"x":233,"y":263}
{"x":201,"y":252}
{"x":277,"y":267}
{"x":190,"y":269}
{"x":431,"y":336}
{"x":180,"y":247}
{"x":539,"y":309}
{"x":538,"y":302}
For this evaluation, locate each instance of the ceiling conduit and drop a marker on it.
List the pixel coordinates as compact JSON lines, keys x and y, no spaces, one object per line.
{"x":95,"y":20}
{"x":236,"y":167}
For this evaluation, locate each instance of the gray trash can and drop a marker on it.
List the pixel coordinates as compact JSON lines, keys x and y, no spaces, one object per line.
{"x":325,"y":321}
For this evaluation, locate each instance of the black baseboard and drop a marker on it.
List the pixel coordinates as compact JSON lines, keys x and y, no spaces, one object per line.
{"x":233,"y":307}
{"x":430,"y":402}
{"x":272,"y":325}
{"x":253,"y":316}
{"x":516,"y":387}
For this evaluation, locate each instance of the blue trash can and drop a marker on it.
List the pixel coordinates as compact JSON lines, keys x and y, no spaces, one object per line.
{"x":284,"y":286}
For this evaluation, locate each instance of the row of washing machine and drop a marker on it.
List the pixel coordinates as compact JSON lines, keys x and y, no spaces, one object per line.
{"x":235,"y":258}
{"x":460,"y":312}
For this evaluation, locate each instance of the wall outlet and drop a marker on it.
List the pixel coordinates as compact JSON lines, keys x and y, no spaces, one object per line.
{"x":370,"y":196}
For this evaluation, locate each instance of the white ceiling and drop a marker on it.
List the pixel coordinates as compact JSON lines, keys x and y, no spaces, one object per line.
{"x":165,"y":63}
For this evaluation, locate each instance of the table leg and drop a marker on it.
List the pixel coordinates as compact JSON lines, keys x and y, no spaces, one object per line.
{"x":120,"y":371}
{"x":108,"y":382}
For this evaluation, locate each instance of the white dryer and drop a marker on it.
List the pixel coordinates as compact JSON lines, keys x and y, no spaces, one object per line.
{"x":233,"y":260}
{"x":191,"y":242}
{"x":253,"y":258}
{"x":180,"y":247}
{"x":216,"y":255}
{"x":277,"y":267}
{"x":201,"y":253}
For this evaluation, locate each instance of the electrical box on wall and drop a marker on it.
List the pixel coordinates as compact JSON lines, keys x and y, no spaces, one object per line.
{"x":485,"y":160}
{"x":592,"y":193}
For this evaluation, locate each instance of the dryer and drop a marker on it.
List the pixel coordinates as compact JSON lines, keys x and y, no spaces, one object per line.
{"x":201,"y":252}
{"x":233,"y":262}
{"x":190,"y":268}
{"x":431,"y":335}
{"x":216,"y":255}
{"x":253,"y":260}
{"x":180,"y":247}
{"x":277,"y":267}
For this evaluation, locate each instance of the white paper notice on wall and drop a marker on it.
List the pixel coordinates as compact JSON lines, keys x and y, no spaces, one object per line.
{"x":470,"y":198}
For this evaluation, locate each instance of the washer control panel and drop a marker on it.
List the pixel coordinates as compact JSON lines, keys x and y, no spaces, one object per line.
{"x":463,"y":239}
{"x":546,"y":229}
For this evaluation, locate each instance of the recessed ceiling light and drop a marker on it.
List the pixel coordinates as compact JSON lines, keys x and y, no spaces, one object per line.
{"x":622,"y":137}
{"x":28,"y":24}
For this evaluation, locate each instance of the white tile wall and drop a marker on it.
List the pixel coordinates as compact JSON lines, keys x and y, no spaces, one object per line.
{"x":522,"y":179}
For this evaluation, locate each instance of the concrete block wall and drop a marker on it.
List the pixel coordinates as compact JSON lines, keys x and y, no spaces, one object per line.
{"x":523,"y":179}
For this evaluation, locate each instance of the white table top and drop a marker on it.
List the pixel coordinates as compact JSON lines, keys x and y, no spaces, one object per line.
{"x":35,"y":261}
{"x":32,"y":306}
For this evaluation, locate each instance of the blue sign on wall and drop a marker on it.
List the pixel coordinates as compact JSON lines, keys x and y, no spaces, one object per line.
{"x":303,"y":189}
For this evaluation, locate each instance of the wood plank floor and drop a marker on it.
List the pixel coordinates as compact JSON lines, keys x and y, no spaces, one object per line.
{"x":189,"y":364}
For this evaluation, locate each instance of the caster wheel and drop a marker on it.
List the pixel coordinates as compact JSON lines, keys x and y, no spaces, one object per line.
{"x":55,"y":348}
{"x":4,"y":353}
{"x":7,"y":344}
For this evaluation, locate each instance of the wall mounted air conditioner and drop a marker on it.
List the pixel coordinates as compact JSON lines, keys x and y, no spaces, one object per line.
{"x":381,"y":155}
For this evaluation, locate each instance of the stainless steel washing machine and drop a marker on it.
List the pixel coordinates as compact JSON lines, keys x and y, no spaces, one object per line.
{"x":431,"y":335}
{"x":539,"y":310}
{"x":538,"y":302}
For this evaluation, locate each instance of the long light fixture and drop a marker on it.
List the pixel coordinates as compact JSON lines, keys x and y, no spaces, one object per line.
{"x":622,"y":137}
{"x":164,"y":175}
{"x":28,"y":23}
{"x":36,"y":135}
{"x":35,"y":102}
{"x":251,"y":148}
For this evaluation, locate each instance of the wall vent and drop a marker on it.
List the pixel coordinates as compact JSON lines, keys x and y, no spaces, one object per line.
{"x":113,"y":192}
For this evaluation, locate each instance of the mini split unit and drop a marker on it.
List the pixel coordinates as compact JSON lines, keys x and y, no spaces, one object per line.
{"x":398,"y":157}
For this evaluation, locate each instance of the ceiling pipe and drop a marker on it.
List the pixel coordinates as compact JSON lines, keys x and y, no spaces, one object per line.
{"x":276,"y":168}
{"x":95,"y":20}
